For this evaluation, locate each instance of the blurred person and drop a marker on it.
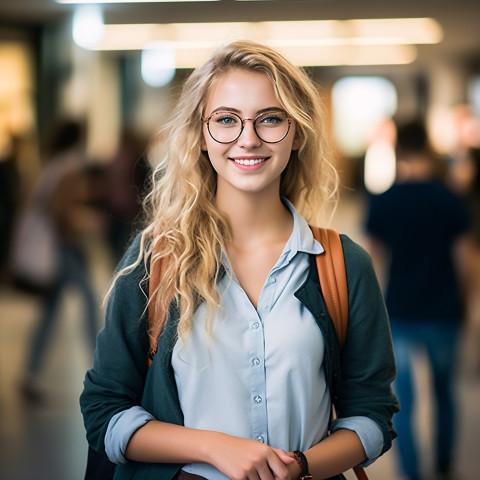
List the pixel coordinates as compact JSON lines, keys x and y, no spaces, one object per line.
{"x":466,"y":131}
{"x":9,"y":198}
{"x":473,"y":196}
{"x":125,"y":177}
{"x":419,"y":233}
{"x":473,"y":191}
{"x":248,"y":359}
{"x":62,"y":193}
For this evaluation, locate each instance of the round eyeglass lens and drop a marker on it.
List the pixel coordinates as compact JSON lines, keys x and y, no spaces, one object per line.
{"x":271,"y":127}
{"x":224,"y":127}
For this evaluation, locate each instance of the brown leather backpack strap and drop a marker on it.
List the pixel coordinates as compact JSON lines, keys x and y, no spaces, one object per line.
{"x":360,"y":473}
{"x":333,"y":282}
{"x":157,"y":270}
{"x":333,"y":278}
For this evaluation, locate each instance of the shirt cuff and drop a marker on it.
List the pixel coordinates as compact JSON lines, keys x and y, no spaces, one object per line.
{"x":121,"y":428}
{"x":369,"y":433}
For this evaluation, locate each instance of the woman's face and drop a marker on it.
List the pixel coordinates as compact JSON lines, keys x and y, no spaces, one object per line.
{"x":248,"y":165}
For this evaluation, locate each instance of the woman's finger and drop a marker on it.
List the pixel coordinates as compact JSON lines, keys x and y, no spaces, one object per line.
{"x":277,"y":462}
{"x":286,"y":457}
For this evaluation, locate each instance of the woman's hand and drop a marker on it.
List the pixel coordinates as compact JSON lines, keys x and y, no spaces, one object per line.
{"x":237,"y":458}
{"x":246,"y":459}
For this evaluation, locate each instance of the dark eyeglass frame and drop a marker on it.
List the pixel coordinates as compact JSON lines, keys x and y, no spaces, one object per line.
{"x":243,"y":120}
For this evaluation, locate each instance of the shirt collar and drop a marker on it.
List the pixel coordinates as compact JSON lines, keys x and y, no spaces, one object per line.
{"x":301,"y":239}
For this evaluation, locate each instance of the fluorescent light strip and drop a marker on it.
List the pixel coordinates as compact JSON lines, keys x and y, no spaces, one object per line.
{"x":83,"y":2}
{"x":323,"y":42}
{"x":302,"y":33}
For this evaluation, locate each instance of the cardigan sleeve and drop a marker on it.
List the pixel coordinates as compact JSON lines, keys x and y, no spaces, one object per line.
{"x":367,"y":359}
{"x":115,"y":382}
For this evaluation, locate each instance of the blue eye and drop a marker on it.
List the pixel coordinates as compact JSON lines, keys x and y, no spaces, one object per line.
{"x":226,"y":119}
{"x":272,"y":118}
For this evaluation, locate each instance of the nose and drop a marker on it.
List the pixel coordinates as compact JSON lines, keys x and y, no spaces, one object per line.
{"x":249,"y":137}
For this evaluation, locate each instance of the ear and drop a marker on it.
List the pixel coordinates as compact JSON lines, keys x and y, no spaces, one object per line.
{"x":297,"y":139}
{"x":203,"y":143}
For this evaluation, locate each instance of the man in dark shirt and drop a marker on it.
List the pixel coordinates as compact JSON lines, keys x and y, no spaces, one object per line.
{"x":420,"y":227}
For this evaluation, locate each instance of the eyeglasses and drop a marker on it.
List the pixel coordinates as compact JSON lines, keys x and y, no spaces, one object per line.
{"x":226,"y":127}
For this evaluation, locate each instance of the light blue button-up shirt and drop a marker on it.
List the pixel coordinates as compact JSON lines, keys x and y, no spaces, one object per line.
{"x":259,"y":373}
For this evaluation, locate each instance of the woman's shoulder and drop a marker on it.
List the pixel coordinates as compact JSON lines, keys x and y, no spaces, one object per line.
{"x":361,"y":275}
{"x":137,"y":247}
{"x":133,"y":266}
{"x":356,"y":257}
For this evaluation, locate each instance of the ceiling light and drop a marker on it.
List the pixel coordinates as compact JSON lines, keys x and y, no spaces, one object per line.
{"x":88,"y":27}
{"x":308,"y":43}
{"x":128,"y":1}
{"x":158,"y":63}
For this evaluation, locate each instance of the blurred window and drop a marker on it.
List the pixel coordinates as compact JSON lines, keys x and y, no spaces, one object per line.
{"x":359,"y":104}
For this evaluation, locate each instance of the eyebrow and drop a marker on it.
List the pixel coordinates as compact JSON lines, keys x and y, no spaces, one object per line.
{"x":235,"y":110}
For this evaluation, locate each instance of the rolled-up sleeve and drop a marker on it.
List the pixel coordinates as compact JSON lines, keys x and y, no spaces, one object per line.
{"x":121,"y":428}
{"x":368,"y":432}
{"x":115,"y":382}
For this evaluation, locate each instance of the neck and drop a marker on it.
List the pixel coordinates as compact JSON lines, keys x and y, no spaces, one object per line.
{"x":255,"y":217}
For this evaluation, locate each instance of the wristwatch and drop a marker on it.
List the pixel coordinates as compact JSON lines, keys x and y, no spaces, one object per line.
{"x":303,"y":464}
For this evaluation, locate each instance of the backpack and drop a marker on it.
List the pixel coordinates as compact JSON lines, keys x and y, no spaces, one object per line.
{"x":333,"y":282}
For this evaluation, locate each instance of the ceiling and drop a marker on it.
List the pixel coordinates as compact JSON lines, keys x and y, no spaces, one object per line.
{"x":460,"y":19}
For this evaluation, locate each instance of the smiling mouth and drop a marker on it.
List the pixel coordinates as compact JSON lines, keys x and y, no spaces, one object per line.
{"x":256,"y":161}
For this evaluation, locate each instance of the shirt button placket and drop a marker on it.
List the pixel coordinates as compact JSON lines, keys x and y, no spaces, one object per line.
{"x":268,"y":296}
{"x":259,"y":410}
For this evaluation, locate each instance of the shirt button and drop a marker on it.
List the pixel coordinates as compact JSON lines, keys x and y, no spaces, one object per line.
{"x":257,"y":399}
{"x":260,"y":439}
{"x":255,"y":325}
{"x":255,"y":362}
{"x":273,"y":279}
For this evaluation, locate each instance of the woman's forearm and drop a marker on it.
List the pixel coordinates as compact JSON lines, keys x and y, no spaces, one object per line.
{"x":236,"y":457}
{"x":336,"y":454}
{"x":161,"y":442}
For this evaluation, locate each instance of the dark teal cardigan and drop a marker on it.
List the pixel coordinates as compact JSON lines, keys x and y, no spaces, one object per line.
{"x":359,"y":376}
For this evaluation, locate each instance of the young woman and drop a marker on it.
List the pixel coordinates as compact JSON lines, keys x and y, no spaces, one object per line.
{"x":248,"y":359}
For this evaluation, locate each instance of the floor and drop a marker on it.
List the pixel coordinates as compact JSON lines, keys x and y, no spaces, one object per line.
{"x":47,"y":442}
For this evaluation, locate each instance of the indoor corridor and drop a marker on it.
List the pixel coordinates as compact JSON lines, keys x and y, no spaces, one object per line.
{"x":47,"y":441}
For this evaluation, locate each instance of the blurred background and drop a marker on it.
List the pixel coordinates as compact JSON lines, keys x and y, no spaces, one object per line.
{"x":83,"y":88}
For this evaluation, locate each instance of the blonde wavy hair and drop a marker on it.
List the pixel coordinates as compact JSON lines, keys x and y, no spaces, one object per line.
{"x":186,"y":232}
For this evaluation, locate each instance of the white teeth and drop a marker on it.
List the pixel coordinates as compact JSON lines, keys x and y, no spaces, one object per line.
{"x":249,"y":162}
